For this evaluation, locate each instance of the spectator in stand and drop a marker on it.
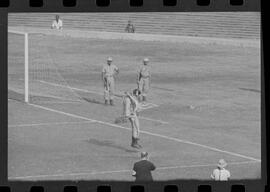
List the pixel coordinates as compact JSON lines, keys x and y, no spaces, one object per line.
{"x":57,"y":23}
{"x":130,"y":27}
{"x":142,"y":169}
{"x":220,"y":173}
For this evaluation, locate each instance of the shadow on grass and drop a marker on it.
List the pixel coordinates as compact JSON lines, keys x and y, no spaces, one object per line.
{"x":110,"y":144}
{"x":252,"y":90}
{"x":14,"y":95}
{"x":89,"y":100}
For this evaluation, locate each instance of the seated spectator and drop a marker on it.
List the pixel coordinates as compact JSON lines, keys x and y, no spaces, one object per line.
{"x":220,"y":173}
{"x":130,"y":27}
{"x":142,"y":169}
{"x":57,"y":23}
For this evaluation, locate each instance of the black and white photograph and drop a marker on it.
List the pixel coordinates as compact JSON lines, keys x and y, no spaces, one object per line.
{"x":134,"y":96}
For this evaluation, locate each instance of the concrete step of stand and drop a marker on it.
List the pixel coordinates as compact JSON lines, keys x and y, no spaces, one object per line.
{"x":221,"y":24}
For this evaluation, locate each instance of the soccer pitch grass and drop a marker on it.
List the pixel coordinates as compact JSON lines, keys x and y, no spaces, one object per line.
{"x":206,"y":106}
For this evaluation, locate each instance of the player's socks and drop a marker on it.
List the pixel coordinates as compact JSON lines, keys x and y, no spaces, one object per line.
{"x":132,"y":142}
{"x":106,"y":102}
{"x":136,"y":143}
{"x":144,"y":99}
{"x":136,"y":146}
{"x":111,"y":102}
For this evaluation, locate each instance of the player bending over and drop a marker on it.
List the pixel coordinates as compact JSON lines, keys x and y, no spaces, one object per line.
{"x":131,"y":109}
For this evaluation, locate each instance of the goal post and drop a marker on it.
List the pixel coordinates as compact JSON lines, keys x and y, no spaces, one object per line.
{"x":26,"y":68}
{"x":26,"y":62}
{"x":36,"y":70}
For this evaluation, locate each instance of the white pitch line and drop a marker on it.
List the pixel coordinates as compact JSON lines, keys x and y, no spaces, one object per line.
{"x":205,"y":165}
{"x":149,"y":105}
{"x":155,"y":120}
{"x":126,"y":170}
{"x":45,"y":124}
{"x":61,"y":112}
{"x":74,"y":88}
{"x":154,"y":134}
{"x":51,"y":102}
{"x":84,"y":90}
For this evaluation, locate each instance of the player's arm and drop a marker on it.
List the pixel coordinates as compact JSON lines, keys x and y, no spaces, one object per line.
{"x":134,"y":170}
{"x":53,"y":25}
{"x":228,"y":175}
{"x":103,"y":74}
{"x":116,"y":70}
{"x":153,"y":167}
{"x":213,"y":174}
{"x":126,"y":29}
{"x":139,"y":108}
{"x":131,"y":98}
{"x":149,"y":78}
{"x":103,"y":77}
{"x":61,"y":25}
{"x":135,"y":102}
{"x":139,"y":75}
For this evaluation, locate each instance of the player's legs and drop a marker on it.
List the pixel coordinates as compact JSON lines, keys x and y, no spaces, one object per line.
{"x":132,"y":131}
{"x":106,"y":91}
{"x":111,"y":90}
{"x":137,"y":126}
{"x":140,"y":87}
{"x":145,"y":88}
{"x":135,"y":131}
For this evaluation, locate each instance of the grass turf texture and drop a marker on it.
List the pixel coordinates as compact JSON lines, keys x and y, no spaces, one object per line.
{"x":209,"y":94}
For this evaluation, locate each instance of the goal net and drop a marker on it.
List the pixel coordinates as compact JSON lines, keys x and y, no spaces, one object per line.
{"x":33,"y":72}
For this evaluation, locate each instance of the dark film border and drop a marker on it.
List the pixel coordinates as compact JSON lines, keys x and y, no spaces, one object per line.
{"x":8,"y":6}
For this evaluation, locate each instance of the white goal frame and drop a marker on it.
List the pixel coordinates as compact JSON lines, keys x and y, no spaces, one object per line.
{"x":26,"y":63}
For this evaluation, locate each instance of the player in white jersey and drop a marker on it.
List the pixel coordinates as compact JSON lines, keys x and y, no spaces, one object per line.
{"x":143,"y":79}
{"x":131,"y":109}
{"x":220,"y":173}
{"x":57,"y":23}
{"x":108,"y":74}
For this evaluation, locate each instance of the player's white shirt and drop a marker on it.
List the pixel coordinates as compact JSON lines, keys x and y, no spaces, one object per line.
{"x":129,"y":107}
{"x":57,"y":25}
{"x":109,"y":70}
{"x":144,"y":70}
{"x":221,"y":175}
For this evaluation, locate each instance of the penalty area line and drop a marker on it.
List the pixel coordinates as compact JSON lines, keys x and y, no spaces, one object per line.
{"x":125,"y":170}
{"x":61,"y":112}
{"x":152,"y":134}
{"x":154,"y":120}
{"x":47,"y":124}
{"x":86,"y":91}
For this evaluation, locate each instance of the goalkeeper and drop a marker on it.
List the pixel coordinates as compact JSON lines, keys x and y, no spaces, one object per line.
{"x":131,"y":109}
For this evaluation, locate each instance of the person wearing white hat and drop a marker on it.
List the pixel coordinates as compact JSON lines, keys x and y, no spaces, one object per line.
{"x":220,"y":173}
{"x":143,"y":79}
{"x":108,"y":76}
